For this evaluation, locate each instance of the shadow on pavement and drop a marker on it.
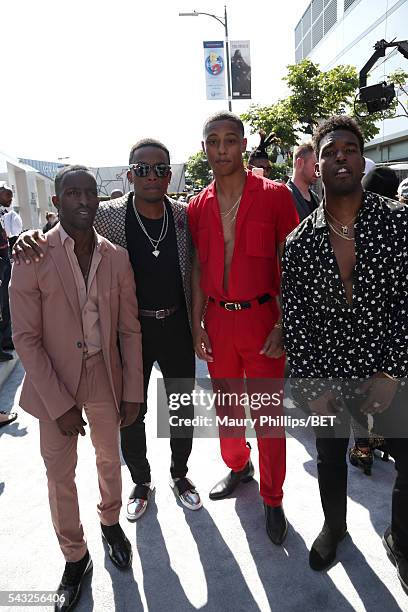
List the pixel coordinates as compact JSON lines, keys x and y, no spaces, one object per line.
{"x":125,"y":589}
{"x":372,"y":591}
{"x":161,"y":585}
{"x":226,"y":584}
{"x":373,"y":492}
{"x":288,"y":581}
{"x":13,"y":430}
{"x":284,"y":571}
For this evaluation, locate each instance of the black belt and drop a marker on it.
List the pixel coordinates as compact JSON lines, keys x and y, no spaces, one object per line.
{"x":158,"y":314}
{"x":241,"y":305}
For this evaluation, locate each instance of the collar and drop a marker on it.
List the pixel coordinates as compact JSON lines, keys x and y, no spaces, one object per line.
{"x":320,"y":221}
{"x":251,"y":184}
{"x":294,"y":187}
{"x":64,"y":237}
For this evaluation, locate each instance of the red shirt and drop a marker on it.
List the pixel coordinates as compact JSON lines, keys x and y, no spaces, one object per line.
{"x":266,"y":216}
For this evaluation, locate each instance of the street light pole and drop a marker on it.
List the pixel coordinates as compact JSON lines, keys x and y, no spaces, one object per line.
{"x":225,"y":26}
{"x":228,"y":59}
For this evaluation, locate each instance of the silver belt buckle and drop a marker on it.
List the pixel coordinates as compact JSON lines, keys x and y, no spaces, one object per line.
{"x":232,"y":306}
{"x":160,"y":314}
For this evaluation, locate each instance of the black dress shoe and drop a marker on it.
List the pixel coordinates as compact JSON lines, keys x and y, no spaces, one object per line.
{"x":69,"y":589}
{"x":5,"y":356}
{"x":228,"y":484}
{"x":397,"y":558}
{"x":119,"y":547}
{"x":276,"y":524}
{"x":324,"y":548}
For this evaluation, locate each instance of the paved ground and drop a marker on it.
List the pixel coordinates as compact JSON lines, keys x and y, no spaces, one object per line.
{"x":217,"y":559}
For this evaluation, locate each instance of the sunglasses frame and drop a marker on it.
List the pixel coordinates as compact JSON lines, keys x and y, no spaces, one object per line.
{"x":150,"y":167}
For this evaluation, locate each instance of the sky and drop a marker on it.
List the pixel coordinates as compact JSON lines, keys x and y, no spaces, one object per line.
{"x":87,"y":79}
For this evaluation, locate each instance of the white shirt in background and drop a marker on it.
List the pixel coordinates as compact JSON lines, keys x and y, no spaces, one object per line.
{"x":11,"y":221}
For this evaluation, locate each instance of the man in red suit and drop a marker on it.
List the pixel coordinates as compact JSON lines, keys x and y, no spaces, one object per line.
{"x":239,"y":224}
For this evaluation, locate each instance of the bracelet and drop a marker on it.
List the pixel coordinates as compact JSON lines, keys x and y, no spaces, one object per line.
{"x":278,"y":324}
{"x":389,"y":376}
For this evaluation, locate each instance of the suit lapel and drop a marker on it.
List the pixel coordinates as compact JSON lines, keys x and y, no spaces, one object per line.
{"x":64,"y":270}
{"x":103,"y":279}
{"x":184,"y":248}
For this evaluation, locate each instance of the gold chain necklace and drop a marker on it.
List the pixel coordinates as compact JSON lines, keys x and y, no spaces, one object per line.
{"x":230,"y":222}
{"x":229,"y":211}
{"x":344,"y":227}
{"x":341,"y":234}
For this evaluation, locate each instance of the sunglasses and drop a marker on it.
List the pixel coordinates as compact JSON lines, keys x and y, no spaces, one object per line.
{"x":142,"y":169}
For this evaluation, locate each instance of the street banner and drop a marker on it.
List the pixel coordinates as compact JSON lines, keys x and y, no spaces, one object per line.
{"x":240,"y":69}
{"x":214,"y":69}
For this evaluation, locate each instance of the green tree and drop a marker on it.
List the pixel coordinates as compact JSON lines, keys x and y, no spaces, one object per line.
{"x":316,"y":95}
{"x":278,"y":118}
{"x":198,"y":171}
{"x":278,"y":171}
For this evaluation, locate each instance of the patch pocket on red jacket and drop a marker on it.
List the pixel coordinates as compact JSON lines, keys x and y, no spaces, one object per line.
{"x":260,"y":239}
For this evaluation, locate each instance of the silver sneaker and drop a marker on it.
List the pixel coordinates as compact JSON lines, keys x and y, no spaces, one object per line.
{"x":186,"y":492}
{"x":138,"y":501}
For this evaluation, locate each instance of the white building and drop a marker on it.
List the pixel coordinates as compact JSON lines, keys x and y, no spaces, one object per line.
{"x":333,"y":32}
{"x":32,"y":191}
{"x":108,"y":178}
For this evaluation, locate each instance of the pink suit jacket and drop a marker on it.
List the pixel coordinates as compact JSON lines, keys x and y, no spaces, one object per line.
{"x":47,"y":328}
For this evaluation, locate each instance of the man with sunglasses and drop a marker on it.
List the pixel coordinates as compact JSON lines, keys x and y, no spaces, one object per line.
{"x":154,"y":230}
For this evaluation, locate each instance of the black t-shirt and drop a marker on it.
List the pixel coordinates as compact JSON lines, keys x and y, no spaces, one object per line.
{"x":304,"y":207}
{"x":158,"y":279}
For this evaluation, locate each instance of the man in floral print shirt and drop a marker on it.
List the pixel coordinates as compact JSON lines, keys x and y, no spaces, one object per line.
{"x":345,"y":300}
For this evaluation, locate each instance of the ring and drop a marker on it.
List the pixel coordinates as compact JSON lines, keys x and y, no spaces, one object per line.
{"x":376,"y":405}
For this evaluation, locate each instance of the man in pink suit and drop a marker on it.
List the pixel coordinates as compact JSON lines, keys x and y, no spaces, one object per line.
{"x":68,"y":314}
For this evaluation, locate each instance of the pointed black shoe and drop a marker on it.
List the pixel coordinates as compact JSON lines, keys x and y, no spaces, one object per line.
{"x":69,"y":589}
{"x":228,"y":484}
{"x":119,"y":547}
{"x":396,"y":558}
{"x":324,"y":548}
{"x":276,"y":524}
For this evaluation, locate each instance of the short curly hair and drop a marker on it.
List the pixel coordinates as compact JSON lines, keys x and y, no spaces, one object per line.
{"x":338,"y":122}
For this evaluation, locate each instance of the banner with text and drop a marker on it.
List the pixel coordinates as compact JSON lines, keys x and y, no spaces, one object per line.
{"x":214,"y":69}
{"x":240,"y":69}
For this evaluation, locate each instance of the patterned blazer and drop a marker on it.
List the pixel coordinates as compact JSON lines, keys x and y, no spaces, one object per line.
{"x":110,"y":222}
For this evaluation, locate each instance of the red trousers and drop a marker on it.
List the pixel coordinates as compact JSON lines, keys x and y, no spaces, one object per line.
{"x":236,"y":339}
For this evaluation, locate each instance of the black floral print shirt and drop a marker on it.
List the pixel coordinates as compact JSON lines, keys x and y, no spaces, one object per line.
{"x":327,"y":338}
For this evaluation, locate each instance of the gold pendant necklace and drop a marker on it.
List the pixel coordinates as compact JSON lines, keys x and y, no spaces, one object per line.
{"x":344,"y":227}
{"x":341,"y":234}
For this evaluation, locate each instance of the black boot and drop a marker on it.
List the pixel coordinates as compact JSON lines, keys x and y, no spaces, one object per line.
{"x":69,"y":589}
{"x":276,"y":524}
{"x":396,"y":558}
{"x":228,"y":484}
{"x":324,"y":548}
